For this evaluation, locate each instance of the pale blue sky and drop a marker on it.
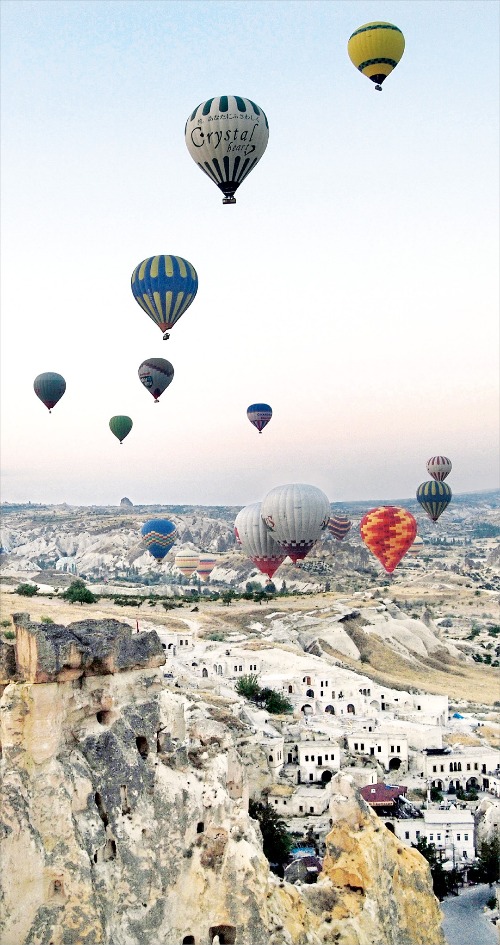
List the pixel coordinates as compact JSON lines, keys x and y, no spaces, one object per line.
{"x":354,"y":286}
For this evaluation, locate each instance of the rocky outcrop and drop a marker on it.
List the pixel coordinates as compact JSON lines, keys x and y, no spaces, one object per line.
{"x":124,"y":810}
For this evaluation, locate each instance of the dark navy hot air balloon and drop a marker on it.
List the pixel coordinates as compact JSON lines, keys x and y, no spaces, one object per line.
{"x":434,"y":497}
{"x":155,"y":375}
{"x":164,"y":287}
{"x":259,"y":415}
{"x":49,"y":387}
{"x":159,"y":535}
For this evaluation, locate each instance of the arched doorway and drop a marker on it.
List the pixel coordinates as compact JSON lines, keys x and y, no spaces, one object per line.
{"x":330,"y":709}
{"x":226,"y":933}
{"x":326,"y":777}
{"x":204,"y":672}
{"x":394,"y":764}
{"x":350,"y":709}
{"x":307,"y":709}
{"x":472,"y":783}
{"x":310,"y":694}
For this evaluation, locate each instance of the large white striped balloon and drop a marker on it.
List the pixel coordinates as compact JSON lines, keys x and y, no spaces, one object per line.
{"x":439,"y":467}
{"x":257,"y":541}
{"x":226,"y":136}
{"x":296,"y":514}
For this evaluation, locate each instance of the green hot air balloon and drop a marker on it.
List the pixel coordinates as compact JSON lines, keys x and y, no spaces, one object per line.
{"x":121,"y":427}
{"x":434,"y":497}
{"x":49,"y":387}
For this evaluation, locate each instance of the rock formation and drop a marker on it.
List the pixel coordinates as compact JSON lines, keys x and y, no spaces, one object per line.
{"x":125,"y":816}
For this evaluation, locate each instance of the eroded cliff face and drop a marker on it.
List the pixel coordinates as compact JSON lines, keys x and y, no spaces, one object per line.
{"x":124,"y":821}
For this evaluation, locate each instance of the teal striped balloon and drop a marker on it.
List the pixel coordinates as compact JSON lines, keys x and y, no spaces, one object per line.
{"x":434,"y":497}
{"x":164,"y":287}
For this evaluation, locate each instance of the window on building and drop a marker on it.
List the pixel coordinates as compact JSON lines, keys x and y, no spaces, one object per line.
{"x":240,"y":668}
{"x":236,"y":669}
{"x":306,"y":757}
{"x":466,"y":836}
{"x":379,"y":747}
{"x":326,"y":757}
{"x":301,"y":807}
{"x":355,"y":746}
{"x":312,"y":757}
{"x":362,"y":746}
{"x":468,"y":767}
{"x":392,"y":749}
{"x":458,"y":836}
{"x":431,"y":836}
{"x":407,"y":834}
{"x":434,"y":768}
{"x":442,"y":768}
{"x":311,"y":810}
{"x":475,"y":766}
{"x":417,"y":834}
{"x":438,"y":836}
{"x":398,"y":750}
{"x":275,"y":800}
{"x":311,"y":777}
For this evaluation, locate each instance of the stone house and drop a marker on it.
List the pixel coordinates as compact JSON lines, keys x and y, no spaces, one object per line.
{"x":452,"y":831}
{"x":390,"y":751}
{"x":465,"y":768}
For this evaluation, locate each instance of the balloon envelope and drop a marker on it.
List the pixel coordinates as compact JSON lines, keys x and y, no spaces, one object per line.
{"x":156,"y":374}
{"x":226,"y":136}
{"x":416,"y":547}
{"x":206,"y":566}
{"x":164,"y":286}
{"x":259,"y":415}
{"x":296,"y":514}
{"x":375,"y":49}
{"x":49,"y":387}
{"x":388,"y":532}
{"x":339,"y":526}
{"x":434,"y":497}
{"x":120,"y":426}
{"x":257,"y":541}
{"x":187,"y":563}
{"x":439,"y":467}
{"x":159,"y":534}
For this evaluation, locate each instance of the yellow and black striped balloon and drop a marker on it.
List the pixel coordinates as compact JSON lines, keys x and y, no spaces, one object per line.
{"x":375,"y":49}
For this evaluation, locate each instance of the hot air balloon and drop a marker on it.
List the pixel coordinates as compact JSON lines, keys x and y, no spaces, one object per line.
{"x":164,"y":286}
{"x":226,"y":137}
{"x":439,"y":467}
{"x":375,"y":49}
{"x":295,"y":514}
{"x":159,"y":535}
{"x":49,"y":387}
{"x":186,"y":563}
{"x":416,"y":547}
{"x":259,"y":415}
{"x":339,"y":526}
{"x":257,"y":541}
{"x":206,"y":566}
{"x":434,"y":497}
{"x":388,"y":532}
{"x":156,"y":374}
{"x":121,"y":427}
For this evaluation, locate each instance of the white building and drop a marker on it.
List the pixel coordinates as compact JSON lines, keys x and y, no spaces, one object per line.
{"x":451,"y":831}
{"x":466,"y":768}
{"x":390,"y":751}
{"x":318,"y":761}
{"x":302,"y":801}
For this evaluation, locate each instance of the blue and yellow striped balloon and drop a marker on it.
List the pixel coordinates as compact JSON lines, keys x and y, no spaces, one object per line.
{"x":159,"y":534}
{"x":434,"y":497}
{"x":375,"y":49}
{"x":164,"y":287}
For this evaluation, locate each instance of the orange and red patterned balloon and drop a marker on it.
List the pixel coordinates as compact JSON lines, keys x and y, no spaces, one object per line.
{"x":388,"y":532}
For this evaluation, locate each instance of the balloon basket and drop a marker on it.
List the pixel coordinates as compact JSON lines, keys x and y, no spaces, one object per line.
{"x":229,"y":200}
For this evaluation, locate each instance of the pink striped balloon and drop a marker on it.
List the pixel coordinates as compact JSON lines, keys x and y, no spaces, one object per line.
{"x":439,"y":467}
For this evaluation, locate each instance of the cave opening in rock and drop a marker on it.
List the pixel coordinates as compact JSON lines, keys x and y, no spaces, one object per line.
{"x":188,"y":940}
{"x":124,"y":799}
{"x":142,"y":746}
{"x":109,"y":850}
{"x":200,"y":827}
{"x":101,"y":808}
{"x":226,"y":933}
{"x":103,"y":716}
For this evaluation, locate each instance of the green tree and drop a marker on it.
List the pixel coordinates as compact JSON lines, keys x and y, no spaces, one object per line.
{"x":78,"y":593}
{"x":276,"y":703}
{"x":27,"y":590}
{"x":428,"y":851}
{"x":227,"y":597}
{"x":277,"y":840}
{"x":489,"y":860}
{"x":248,"y":686}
